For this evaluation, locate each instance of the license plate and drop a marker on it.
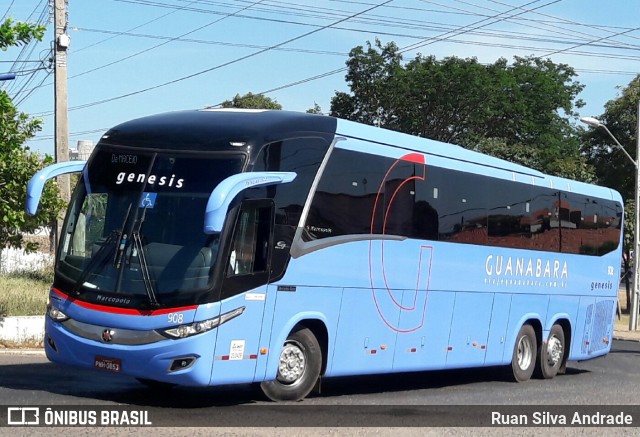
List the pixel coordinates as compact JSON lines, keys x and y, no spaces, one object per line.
{"x":109,"y":364}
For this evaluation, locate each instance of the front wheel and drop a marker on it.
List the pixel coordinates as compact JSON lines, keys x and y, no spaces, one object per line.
{"x":523,"y":359}
{"x":551,"y":354}
{"x":299,"y":367}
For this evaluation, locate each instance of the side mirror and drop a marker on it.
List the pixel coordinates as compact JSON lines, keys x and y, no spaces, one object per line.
{"x":36,"y":184}
{"x":228,"y":189}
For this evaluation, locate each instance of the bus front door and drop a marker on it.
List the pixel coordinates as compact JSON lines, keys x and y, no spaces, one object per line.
{"x":244,"y":291}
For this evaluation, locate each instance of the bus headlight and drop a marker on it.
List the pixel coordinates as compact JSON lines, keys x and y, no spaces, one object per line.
{"x":195,"y":328}
{"x":56,"y":314}
{"x":183,"y":331}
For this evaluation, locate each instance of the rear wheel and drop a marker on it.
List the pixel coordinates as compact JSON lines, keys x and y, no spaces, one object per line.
{"x":524,"y":354}
{"x":299,"y":367}
{"x":551,"y":354}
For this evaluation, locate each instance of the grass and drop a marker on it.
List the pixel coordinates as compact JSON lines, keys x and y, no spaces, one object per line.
{"x":25,"y":293}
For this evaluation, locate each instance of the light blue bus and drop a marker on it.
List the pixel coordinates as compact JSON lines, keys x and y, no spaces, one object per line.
{"x":222,"y":246}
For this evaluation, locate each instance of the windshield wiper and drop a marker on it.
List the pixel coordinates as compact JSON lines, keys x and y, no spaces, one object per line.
{"x":122,"y":241}
{"x":142,"y":258}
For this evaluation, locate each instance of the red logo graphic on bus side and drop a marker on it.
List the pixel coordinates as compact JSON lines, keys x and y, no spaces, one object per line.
{"x":412,"y":312}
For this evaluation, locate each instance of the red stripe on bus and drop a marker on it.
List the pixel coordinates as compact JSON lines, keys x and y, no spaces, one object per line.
{"x":125,"y":311}
{"x":417,"y":158}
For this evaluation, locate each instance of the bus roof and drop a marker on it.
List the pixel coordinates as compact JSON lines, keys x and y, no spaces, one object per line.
{"x":203,"y":130}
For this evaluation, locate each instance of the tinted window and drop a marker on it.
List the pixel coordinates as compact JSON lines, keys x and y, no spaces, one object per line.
{"x":302,"y":156}
{"x":463,"y":215}
{"x":589,"y":226}
{"x":543,"y":220}
{"x":368,"y":194}
{"x":509,"y":209}
{"x":344,"y":201}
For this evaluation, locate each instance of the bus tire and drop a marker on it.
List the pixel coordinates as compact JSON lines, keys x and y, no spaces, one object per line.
{"x":523,"y":360}
{"x":551,"y":354}
{"x":299,"y":367}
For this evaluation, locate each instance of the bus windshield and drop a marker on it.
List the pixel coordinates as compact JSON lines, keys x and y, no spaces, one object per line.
{"x":134,"y":233}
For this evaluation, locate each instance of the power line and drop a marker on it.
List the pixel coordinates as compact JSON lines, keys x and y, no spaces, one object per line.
{"x":7,"y":11}
{"x":157,"y":45}
{"x":234,"y":61}
{"x":591,"y":42}
{"x":478,"y":24}
{"x":413,"y":46}
{"x":134,"y":28}
{"x":510,"y":35}
{"x":329,"y":13}
{"x":439,"y":38}
{"x":19,"y":64}
{"x":574,"y":23}
{"x":166,"y":42}
{"x":562,"y":30}
{"x":206,"y":42}
{"x":329,"y":73}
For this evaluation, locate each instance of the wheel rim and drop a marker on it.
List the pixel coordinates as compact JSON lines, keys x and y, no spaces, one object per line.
{"x":292,"y":363}
{"x":524,"y":353}
{"x":554,"y":351}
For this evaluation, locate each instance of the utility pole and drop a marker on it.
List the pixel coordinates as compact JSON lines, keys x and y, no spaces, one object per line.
{"x":61,"y":138}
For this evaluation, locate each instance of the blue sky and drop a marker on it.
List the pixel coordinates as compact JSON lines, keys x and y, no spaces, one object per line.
{"x":131,"y":58}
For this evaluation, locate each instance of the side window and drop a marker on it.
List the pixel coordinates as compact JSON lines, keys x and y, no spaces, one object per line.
{"x":463,"y":214}
{"x":399,"y":204}
{"x":544,"y":219}
{"x":509,"y":214}
{"x":251,"y":241}
{"x":592,"y":227}
{"x":300,"y":155}
{"x":363,"y":194}
{"x":344,"y":202}
{"x":611,"y":226}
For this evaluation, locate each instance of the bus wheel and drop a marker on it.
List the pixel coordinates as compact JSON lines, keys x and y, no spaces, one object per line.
{"x":551,"y":354}
{"x":299,"y":367}
{"x":524,"y":354}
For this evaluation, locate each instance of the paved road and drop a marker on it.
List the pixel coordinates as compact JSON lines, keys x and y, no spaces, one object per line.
{"x":613,"y":380}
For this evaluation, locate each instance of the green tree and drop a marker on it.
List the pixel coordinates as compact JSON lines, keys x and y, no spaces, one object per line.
{"x":252,"y":101}
{"x":500,"y":108}
{"x":613,"y":168}
{"x":17,"y":162}
{"x":18,"y":33}
{"x":315,"y":110}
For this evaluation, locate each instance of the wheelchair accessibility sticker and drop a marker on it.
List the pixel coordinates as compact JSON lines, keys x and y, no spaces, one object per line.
{"x":148,"y":200}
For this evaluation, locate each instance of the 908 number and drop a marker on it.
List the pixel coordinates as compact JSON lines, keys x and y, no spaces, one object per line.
{"x":175,"y":317}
